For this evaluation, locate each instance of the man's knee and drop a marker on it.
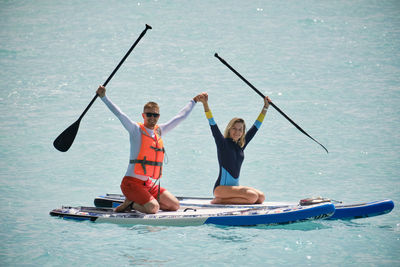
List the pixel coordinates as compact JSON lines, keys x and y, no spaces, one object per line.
{"x":152,"y":207}
{"x":174,"y":206}
{"x":169,"y":201}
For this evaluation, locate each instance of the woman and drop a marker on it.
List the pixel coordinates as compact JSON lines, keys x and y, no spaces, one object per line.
{"x":230,"y":148}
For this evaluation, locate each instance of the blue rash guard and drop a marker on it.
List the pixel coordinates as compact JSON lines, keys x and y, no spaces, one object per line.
{"x":230,"y":154}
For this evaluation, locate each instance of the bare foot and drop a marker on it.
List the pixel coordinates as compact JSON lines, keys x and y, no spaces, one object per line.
{"x":126,"y":206}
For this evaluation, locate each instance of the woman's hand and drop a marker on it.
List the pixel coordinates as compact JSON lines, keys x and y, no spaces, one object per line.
{"x":203,"y":97}
{"x":266,"y":102}
{"x":198,"y":97}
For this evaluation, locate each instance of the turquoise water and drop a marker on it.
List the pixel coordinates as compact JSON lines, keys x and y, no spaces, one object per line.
{"x":332,"y":66}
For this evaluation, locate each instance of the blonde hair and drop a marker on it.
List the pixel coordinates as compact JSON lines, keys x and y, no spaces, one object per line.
{"x":241,"y":142}
{"x":151,"y":105}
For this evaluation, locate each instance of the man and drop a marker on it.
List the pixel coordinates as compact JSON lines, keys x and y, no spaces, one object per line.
{"x":146,"y":157}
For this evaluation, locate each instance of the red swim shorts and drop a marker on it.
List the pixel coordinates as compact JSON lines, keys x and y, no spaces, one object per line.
{"x":140,"y":191}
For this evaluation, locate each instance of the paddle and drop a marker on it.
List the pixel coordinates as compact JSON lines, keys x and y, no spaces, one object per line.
{"x":64,"y":141}
{"x":263,"y":96}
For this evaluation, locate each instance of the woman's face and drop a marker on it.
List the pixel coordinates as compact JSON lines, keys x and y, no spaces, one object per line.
{"x":236,"y":131}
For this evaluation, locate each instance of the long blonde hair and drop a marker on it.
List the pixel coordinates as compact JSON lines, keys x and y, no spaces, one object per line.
{"x":241,"y":142}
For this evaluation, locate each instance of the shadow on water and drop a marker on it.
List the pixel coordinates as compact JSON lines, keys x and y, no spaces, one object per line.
{"x":235,"y":234}
{"x":230,"y":236}
{"x":356,"y":224}
{"x":145,"y":261}
{"x":303,"y":226}
{"x":300,"y":226}
{"x":145,"y":229}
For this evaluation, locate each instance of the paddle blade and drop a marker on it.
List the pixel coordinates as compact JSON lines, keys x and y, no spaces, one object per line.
{"x":64,"y":141}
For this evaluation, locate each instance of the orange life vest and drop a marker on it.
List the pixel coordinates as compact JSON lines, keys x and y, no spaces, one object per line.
{"x":150,"y":159}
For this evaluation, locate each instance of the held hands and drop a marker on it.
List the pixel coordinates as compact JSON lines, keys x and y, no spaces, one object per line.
{"x":203,"y":97}
{"x":101,"y":91}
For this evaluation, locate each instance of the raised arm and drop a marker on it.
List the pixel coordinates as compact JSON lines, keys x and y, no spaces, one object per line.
{"x":128,"y":124}
{"x":257,"y":124}
{"x":218,"y":137}
{"x":263,"y":112}
{"x":183,"y":114}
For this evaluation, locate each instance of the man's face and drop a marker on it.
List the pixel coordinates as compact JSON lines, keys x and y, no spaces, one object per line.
{"x":150,"y":120}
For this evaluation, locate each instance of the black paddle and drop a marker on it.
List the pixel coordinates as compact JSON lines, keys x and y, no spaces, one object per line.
{"x":263,"y":96}
{"x":64,"y":141}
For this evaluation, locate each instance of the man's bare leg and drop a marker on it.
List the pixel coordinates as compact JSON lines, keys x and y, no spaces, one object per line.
{"x":168,"y":201}
{"x":124,"y":206}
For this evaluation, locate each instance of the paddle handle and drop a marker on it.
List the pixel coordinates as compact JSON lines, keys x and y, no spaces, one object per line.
{"x":240,"y":76}
{"x":270,"y":102}
{"x":256,"y":90}
{"x":116,"y":69}
{"x":127,"y":54}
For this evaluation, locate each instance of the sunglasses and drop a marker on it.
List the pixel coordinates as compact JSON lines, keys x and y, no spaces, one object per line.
{"x":149,"y":114}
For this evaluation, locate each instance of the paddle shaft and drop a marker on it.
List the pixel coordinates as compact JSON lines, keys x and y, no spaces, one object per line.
{"x":116,"y":69}
{"x":272,"y":104}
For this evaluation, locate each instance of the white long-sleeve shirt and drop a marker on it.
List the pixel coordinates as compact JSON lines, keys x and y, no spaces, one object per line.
{"x":135,"y":136}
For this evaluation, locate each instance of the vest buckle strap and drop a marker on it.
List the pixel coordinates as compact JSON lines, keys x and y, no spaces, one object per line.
{"x":145,"y":162}
{"x":157,"y":149}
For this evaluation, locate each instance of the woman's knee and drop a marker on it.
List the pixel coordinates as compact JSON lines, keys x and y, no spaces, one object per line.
{"x":251,"y":195}
{"x":261,"y":198}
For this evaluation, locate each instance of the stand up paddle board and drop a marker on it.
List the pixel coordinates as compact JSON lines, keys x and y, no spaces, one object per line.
{"x":189,"y":215}
{"x":342,"y":211}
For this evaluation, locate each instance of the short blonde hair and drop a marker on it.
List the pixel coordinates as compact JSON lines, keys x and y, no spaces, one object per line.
{"x":241,"y":142}
{"x":151,"y":105}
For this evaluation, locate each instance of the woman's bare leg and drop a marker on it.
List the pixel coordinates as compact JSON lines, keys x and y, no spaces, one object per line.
{"x":235,"y":195}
